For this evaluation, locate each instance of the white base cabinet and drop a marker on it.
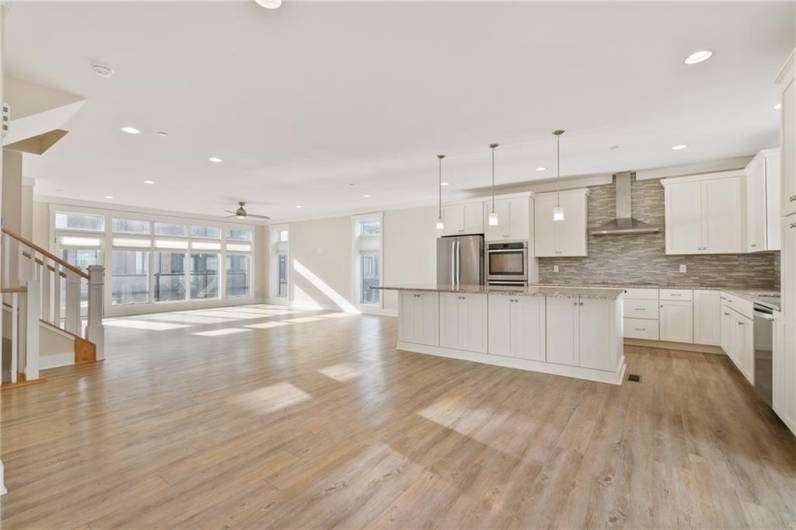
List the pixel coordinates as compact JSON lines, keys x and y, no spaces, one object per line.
{"x":676,"y":321}
{"x":419,"y":321}
{"x":517,"y":326}
{"x":707,"y":317}
{"x":737,"y":341}
{"x":463,"y":321}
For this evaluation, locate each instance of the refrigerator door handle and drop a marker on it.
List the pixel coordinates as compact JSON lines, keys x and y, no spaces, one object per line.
{"x":458,"y":262}
{"x":453,"y":262}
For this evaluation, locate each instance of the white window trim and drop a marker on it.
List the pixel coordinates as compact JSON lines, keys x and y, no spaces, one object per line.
{"x":355,"y":272}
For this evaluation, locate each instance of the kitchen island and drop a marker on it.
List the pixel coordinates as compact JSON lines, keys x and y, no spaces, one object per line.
{"x":568,"y":331}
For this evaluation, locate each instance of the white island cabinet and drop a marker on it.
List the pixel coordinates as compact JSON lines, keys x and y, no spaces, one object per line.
{"x":563,"y":331}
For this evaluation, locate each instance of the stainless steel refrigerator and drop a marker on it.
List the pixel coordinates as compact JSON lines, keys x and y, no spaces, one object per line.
{"x":460,"y":260}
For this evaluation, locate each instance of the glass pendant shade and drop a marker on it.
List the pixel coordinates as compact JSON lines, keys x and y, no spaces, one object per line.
{"x":493,"y":219}
{"x":558,"y":213}
{"x":440,"y":224}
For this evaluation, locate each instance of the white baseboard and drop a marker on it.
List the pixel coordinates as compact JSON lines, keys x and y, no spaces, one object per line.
{"x":577,"y":372}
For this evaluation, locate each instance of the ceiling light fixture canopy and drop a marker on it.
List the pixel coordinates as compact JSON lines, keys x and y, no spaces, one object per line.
{"x":440,"y":221}
{"x":679,"y":147}
{"x":699,"y":56}
{"x":269,"y":4}
{"x":493,"y":216}
{"x":558,"y":211}
{"x":129,"y":129}
{"x":215,"y":160}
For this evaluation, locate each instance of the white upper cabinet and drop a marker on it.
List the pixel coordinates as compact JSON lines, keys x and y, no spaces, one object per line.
{"x":705,"y":214}
{"x":561,"y":238}
{"x":787,"y":85}
{"x":514,"y":219}
{"x":463,"y":218}
{"x":763,"y":201}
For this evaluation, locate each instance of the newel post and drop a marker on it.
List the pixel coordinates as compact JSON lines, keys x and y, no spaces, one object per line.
{"x":95,"y":332}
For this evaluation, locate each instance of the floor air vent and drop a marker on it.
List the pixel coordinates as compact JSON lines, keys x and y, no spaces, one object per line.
{"x":634,"y":378}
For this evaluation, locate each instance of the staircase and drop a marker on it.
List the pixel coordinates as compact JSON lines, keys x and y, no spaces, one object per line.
{"x":45,"y":300}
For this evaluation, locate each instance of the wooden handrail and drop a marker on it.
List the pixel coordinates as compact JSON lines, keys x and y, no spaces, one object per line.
{"x":43,"y":252}
{"x":40,"y":262}
{"x":10,"y":290}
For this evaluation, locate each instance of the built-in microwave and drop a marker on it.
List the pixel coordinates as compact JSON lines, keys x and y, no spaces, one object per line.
{"x":507,"y":262}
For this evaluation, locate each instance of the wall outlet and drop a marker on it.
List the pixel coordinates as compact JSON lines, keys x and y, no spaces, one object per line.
{"x":555,"y":268}
{"x":683,"y":268}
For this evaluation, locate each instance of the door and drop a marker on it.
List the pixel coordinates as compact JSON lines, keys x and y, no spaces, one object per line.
{"x":683,"y":218}
{"x":707,"y":317}
{"x":527,"y":337}
{"x":453,"y":216}
{"x":503,"y":230}
{"x":470,"y":255}
{"x":473,"y":218}
{"x":446,"y":260}
{"x":571,"y":235}
{"x":544,"y":228}
{"x":599,"y":343}
{"x":562,"y":330}
{"x":676,"y":321}
{"x":756,"y":204}
{"x":723,"y":213}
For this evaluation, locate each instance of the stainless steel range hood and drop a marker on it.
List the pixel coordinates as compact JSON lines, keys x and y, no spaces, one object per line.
{"x":624,"y":222}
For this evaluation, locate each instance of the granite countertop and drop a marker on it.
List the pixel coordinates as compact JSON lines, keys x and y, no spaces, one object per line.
{"x":531,"y":290}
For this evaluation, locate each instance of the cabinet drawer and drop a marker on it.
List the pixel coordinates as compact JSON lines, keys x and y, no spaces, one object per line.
{"x":641,"y":294}
{"x":677,"y":294}
{"x":744,"y":307}
{"x":641,"y":309}
{"x":638,"y":328}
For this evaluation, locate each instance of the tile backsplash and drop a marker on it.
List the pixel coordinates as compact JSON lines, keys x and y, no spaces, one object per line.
{"x":641,"y":259}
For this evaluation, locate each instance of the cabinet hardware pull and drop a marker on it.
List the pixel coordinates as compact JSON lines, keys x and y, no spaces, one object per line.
{"x":792,"y":198}
{"x":793,"y":225}
{"x":726,"y":314}
{"x":580,"y":303}
{"x":740,"y":323}
{"x":753,"y":245}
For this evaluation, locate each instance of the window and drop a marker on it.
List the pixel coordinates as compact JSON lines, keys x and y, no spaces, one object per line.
{"x":237,"y":282}
{"x":81,"y":257}
{"x":166,"y":229}
{"x":130,"y":277}
{"x":169,"y":276}
{"x":279,"y":256}
{"x":283,"y":236}
{"x":135,"y":242}
{"x":129,"y":226}
{"x":367,"y":259}
{"x":204,"y":276}
{"x":73,"y":241}
{"x":79,"y":221}
{"x":205,"y":245}
{"x":239,"y":234}
{"x":282,"y":276}
{"x":207,"y":232}
{"x":238,"y":247}
{"x":171,"y":243}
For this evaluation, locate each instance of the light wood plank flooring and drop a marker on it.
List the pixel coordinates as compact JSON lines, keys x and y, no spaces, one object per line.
{"x":257,"y":418}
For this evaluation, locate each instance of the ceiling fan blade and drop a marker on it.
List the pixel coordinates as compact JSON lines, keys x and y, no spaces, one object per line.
{"x":230,"y":211}
{"x":258,"y":216}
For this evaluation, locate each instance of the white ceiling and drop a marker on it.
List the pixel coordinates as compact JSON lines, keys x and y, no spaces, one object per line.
{"x":319,"y":103}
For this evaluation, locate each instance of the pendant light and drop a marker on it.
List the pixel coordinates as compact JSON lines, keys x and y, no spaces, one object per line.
{"x":558,"y":211}
{"x":493,"y":216}
{"x":440,"y":222}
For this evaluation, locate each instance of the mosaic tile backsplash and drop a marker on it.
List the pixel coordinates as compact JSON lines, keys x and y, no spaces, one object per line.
{"x":640,"y":259}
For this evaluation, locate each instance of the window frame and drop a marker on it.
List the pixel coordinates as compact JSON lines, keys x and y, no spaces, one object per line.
{"x":356,"y":268}
{"x":276,"y":246}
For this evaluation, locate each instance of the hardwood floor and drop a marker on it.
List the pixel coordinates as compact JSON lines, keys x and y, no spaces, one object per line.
{"x":253,"y":417}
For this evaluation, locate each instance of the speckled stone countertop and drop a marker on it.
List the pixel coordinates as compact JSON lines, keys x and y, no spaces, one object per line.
{"x":531,"y":290}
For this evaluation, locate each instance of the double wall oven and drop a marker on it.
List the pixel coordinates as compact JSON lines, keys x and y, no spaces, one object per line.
{"x":507,"y":263}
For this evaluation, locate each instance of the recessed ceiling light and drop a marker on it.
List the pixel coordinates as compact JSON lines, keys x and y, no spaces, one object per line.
{"x":443,"y":183}
{"x":367,"y":196}
{"x":698,"y":57}
{"x":778,"y":106}
{"x":149,"y":182}
{"x":540,"y":168}
{"x":269,"y":4}
{"x":298,"y":206}
{"x":215,"y":159}
{"x":679,"y":147}
{"x":130,"y":130}
{"x":162,"y":133}
{"x":102,"y":70}
{"x":109,"y":196}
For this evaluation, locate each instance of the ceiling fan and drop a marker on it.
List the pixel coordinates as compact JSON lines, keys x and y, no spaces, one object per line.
{"x":241,"y":213}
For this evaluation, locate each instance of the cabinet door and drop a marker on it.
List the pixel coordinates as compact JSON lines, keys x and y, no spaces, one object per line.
{"x":520,"y":215}
{"x":756,"y":204}
{"x":500,"y":324}
{"x":746,"y":348}
{"x":572,"y":231}
{"x":562,"y":330}
{"x":527,"y":337}
{"x":544,"y":228}
{"x":727,"y":330}
{"x":788,"y":124}
{"x":773,"y":199}
{"x":503,"y":230}
{"x":418,"y":317}
{"x":724,"y":228}
{"x":449,"y":320}
{"x":453,"y":216}
{"x":473,"y":218}
{"x":707,"y":317}
{"x":600,"y":345}
{"x":683,"y":218}
{"x":473,"y":323}
{"x":676,"y":321}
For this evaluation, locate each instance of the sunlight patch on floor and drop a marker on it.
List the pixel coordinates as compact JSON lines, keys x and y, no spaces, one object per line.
{"x":271,"y":398}
{"x":143,"y":324}
{"x":187,"y":319}
{"x":341,"y":372}
{"x":301,"y":320}
{"x":268,"y":325}
{"x":220,"y":332}
{"x":335,"y":315}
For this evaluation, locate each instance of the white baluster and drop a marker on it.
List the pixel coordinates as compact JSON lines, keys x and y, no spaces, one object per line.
{"x":14,"y":335}
{"x":32,"y":331}
{"x":6,"y":261}
{"x":73,"y":323}
{"x":46,"y":291}
{"x":95,"y":332}
{"x":57,"y":294}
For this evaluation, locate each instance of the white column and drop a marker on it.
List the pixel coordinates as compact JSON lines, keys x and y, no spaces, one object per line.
{"x":32,"y":330}
{"x":14,"y":336}
{"x":95,"y":331}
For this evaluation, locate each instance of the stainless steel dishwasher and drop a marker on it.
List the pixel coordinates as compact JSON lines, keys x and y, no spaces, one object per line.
{"x":764,"y":345}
